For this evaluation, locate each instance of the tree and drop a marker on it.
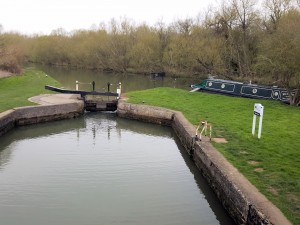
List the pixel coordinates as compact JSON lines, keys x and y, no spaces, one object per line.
{"x":11,"y":52}
{"x":177,"y":54}
{"x":206,"y":51}
{"x":145,"y":52}
{"x":184,"y":26}
{"x":280,"y":54}
{"x":235,"y":22}
{"x":246,"y":17}
{"x":120,"y":43}
{"x":275,"y":10}
{"x":164,"y":35}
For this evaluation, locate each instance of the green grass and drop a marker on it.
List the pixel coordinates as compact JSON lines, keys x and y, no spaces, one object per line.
{"x":15,"y":90}
{"x":272,"y":163}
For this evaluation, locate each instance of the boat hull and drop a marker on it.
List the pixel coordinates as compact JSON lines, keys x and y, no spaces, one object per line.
{"x":243,"y":90}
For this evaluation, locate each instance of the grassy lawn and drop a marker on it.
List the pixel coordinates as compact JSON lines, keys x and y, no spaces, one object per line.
{"x":272,"y":163}
{"x":15,"y":90}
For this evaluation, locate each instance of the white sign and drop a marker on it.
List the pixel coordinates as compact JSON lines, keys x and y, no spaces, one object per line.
{"x":258,"y":111}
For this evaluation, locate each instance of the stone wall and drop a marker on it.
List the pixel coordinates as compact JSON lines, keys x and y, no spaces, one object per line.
{"x":37,"y":114}
{"x":244,"y":203}
{"x":7,"y":121}
{"x":145,"y":113}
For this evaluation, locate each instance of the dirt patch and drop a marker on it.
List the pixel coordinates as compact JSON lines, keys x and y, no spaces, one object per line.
{"x":273,"y":191}
{"x":5,"y":74}
{"x":244,"y":153}
{"x":259,"y":170}
{"x":253,"y":163}
{"x":220,"y":140}
{"x":292,"y":197}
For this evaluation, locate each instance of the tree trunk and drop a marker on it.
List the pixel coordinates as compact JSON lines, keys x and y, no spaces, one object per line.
{"x":295,"y":99}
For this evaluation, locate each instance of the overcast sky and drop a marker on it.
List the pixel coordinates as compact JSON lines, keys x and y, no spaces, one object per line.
{"x":43,"y":16}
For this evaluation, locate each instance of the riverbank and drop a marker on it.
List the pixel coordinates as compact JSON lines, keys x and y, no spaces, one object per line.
{"x":51,"y":108}
{"x":15,"y":90}
{"x":19,"y":101}
{"x":270,"y":163}
{"x":242,"y":200}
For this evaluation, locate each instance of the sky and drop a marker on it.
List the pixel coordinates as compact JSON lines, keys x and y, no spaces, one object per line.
{"x":44,"y":16}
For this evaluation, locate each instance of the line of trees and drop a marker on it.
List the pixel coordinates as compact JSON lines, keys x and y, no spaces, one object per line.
{"x":11,"y":51}
{"x":236,"y":41}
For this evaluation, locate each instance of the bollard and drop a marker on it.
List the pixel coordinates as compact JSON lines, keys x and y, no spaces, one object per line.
{"x":77,"y":85}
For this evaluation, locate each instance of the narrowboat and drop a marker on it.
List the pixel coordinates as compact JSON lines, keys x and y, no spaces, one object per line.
{"x":243,"y":90}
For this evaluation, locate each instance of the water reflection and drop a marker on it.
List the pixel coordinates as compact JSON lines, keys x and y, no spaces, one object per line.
{"x":101,"y":169}
{"x":130,"y":82}
{"x":210,"y":196}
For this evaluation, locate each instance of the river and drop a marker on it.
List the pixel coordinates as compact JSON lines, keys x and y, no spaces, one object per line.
{"x":130,"y":82}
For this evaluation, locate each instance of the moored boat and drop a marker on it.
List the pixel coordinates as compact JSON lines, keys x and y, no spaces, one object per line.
{"x":243,"y":90}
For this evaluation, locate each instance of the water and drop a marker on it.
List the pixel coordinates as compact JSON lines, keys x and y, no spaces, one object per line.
{"x":101,"y":169}
{"x":130,"y":82}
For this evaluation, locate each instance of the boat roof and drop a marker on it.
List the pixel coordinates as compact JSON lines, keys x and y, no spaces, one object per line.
{"x":221,"y":80}
{"x":249,"y":84}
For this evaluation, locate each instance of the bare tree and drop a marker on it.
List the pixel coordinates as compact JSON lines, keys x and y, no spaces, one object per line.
{"x":184,"y":26}
{"x":275,"y":9}
{"x":280,"y":54}
{"x":246,"y":19}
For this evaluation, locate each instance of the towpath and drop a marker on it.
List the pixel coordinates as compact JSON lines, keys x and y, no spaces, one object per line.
{"x":54,"y":99}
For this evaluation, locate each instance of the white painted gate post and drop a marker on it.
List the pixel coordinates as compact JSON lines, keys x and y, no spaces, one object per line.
{"x":253,"y":124}
{"x":258,"y":111}
{"x":119,"y":90}
{"x":260,"y":122}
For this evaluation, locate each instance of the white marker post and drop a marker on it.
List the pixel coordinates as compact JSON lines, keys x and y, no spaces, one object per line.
{"x":77,"y":85}
{"x":119,"y":90}
{"x":258,"y":111}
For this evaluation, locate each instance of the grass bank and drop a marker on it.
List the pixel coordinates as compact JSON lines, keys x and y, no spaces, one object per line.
{"x":15,"y":90}
{"x":272,"y":163}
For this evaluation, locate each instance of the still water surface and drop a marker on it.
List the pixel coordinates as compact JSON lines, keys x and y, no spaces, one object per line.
{"x":130,"y":82}
{"x":101,"y":169}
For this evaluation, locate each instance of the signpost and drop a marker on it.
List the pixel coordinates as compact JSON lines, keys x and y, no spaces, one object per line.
{"x":258,"y":111}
